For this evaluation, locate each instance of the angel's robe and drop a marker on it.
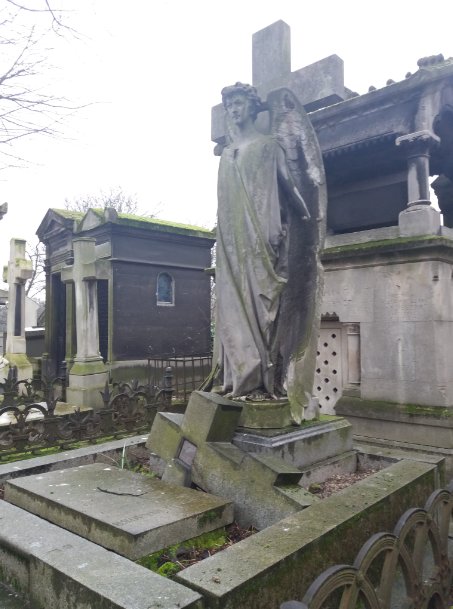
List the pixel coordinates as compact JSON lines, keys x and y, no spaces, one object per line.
{"x":249,"y":266}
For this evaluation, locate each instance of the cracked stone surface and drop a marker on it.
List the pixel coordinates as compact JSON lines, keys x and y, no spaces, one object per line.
{"x":129,"y":513}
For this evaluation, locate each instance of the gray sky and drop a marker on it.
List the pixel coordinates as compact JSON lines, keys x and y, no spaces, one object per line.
{"x":155,"y":68}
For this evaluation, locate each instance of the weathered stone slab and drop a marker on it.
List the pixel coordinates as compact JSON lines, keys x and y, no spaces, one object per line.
{"x":129,"y":513}
{"x":280,"y":562}
{"x":56,"y":569}
{"x":302,"y":446}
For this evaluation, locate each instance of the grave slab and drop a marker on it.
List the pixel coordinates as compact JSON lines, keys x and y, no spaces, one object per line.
{"x":129,"y":513}
{"x":56,"y":569}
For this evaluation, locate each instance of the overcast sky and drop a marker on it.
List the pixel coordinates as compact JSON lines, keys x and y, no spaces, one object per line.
{"x":152,"y":69}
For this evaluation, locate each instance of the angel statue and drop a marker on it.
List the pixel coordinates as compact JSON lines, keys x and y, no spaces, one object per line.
{"x":271,"y":209}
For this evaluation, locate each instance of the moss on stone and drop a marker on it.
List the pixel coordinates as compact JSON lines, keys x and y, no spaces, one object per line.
{"x":387,"y":244}
{"x":144,"y":222}
{"x":87,"y":368}
{"x":206,"y":541}
{"x":165,"y":225}
{"x":438,"y":412}
{"x":18,"y":359}
{"x":68,"y":213}
{"x":209,"y":516}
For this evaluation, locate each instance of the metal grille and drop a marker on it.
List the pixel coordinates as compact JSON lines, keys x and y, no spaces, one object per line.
{"x":328,"y":377}
{"x":188,"y":372}
{"x":409,"y":568}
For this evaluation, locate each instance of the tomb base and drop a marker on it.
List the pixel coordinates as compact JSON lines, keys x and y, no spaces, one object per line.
{"x":22,"y":363}
{"x":301,"y":446}
{"x":87,"y":379}
{"x":428,"y":429}
{"x":257,"y":469}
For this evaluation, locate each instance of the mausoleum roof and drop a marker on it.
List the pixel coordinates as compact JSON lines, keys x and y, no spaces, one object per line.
{"x":165,"y":225}
{"x":97,"y":216}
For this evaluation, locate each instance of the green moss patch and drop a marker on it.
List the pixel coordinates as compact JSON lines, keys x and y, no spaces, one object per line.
{"x":400,"y":243}
{"x":175,"y":558}
{"x":62,"y":447}
{"x":348,"y":404}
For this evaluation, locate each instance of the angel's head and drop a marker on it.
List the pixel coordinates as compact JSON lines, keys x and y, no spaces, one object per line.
{"x":242,"y":95}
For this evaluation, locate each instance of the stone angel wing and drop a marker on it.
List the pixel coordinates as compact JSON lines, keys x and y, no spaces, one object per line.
{"x":299,"y":318}
{"x":290,"y":125}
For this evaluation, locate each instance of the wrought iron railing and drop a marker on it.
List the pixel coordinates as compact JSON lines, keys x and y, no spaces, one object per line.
{"x":410,"y":568}
{"x":29,"y":419}
{"x":188,"y":372}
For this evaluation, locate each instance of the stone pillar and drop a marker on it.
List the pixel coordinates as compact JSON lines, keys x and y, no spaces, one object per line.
{"x":88,"y":374}
{"x":47,"y":364}
{"x":419,"y":218}
{"x":17,"y":272}
{"x":71,"y":326}
{"x":353,"y":356}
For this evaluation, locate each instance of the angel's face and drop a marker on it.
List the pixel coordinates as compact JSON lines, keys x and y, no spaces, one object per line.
{"x":239,"y":109}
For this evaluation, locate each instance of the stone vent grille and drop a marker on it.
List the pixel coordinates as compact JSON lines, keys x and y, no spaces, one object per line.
{"x":328,"y":376}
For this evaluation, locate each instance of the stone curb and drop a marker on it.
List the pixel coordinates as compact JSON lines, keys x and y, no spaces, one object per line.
{"x":69,"y":458}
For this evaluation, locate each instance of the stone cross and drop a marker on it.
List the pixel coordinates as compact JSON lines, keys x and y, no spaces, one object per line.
{"x":88,"y":374}
{"x":317,"y":85}
{"x":17,"y":272}
{"x":83,"y":274}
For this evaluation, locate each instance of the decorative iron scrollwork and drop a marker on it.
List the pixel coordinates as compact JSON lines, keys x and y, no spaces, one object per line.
{"x":29,"y":419}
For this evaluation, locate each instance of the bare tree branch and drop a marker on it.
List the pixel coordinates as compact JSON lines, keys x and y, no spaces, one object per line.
{"x":27,"y":107}
{"x":47,"y":9}
{"x":36,"y":286}
{"x":114,"y":197}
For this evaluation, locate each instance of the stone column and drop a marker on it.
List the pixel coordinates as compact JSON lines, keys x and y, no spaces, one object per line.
{"x":419,"y":218}
{"x":17,"y":272}
{"x":88,"y":374}
{"x":71,"y":327}
{"x":48,"y":368}
{"x":353,"y":355}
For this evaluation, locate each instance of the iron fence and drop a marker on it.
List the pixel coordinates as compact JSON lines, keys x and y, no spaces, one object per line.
{"x":409,"y":568}
{"x":29,"y":422}
{"x":188,"y":373}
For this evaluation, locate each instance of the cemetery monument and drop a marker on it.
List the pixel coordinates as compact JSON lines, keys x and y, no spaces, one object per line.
{"x":17,"y":272}
{"x":119,"y":289}
{"x":271,"y":225}
{"x":388,"y":270}
{"x":271,"y":206}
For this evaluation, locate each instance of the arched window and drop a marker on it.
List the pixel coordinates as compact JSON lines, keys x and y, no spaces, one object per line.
{"x":165,"y":289}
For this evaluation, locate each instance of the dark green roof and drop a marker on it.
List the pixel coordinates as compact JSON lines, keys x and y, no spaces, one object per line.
{"x":143,"y":222}
{"x":165,"y":225}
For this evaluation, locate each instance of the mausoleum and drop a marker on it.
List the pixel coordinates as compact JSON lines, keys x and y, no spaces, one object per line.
{"x":121,"y":288}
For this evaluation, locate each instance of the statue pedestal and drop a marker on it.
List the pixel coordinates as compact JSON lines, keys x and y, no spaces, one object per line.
{"x":261,"y":470}
{"x":268,"y":414}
